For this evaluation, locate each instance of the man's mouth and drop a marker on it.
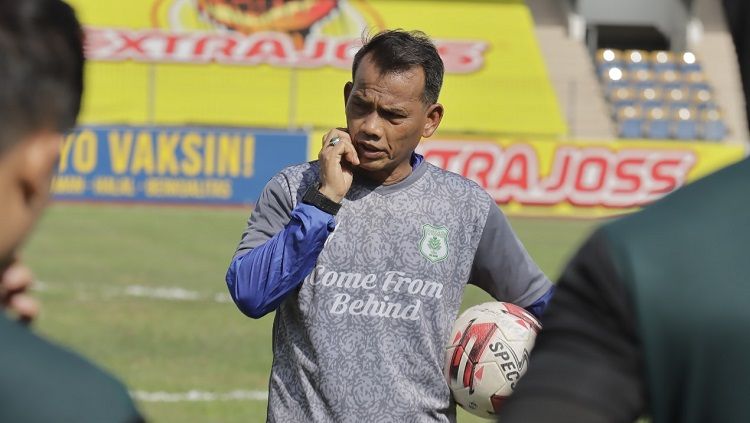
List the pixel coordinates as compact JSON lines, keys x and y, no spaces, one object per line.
{"x":369,"y":152}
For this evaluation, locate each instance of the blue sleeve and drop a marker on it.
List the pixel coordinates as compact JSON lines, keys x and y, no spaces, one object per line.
{"x":260,"y":279}
{"x":537,"y":307}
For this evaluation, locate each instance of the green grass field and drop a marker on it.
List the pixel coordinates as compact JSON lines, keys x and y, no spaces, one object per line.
{"x":105,"y":273}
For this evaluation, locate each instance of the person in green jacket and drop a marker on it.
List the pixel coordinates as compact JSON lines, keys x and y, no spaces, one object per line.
{"x":41,"y":82}
{"x":651,"y":317}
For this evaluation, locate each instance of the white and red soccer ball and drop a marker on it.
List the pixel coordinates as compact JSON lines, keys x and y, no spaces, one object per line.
{"x":487,"y":354}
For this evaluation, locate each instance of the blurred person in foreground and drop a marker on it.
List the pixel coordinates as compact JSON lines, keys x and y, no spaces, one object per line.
{"x":41,"y":69}
{"x":651,"y":317}
{"x":364,"y":254}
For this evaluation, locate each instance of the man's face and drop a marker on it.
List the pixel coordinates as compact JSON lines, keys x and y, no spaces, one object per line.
{"x":386,"y":118}
{"x":26,"y":170}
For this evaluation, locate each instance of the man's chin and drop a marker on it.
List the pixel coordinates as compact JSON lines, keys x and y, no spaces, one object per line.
{"x":371,"y":169}
{"x":368,"y":164}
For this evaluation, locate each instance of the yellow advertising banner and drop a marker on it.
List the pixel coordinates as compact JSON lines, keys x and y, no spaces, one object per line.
{"x":573,"y":178}
{"x":578,"y":179}
{"x":283,"y":63}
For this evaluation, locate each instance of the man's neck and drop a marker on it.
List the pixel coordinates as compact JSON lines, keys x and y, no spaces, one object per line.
{"x":384,"y":179}
{"x":396,"y":175}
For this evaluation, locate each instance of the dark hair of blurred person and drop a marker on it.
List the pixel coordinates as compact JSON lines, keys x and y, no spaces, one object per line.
{"x":41,"y":82}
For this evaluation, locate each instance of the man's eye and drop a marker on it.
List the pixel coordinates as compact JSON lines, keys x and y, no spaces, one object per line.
{"x":355,"y":109}
{"x":356,"y":105}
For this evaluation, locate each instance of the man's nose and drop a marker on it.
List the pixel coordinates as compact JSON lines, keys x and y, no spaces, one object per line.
{"x":373,"y":126}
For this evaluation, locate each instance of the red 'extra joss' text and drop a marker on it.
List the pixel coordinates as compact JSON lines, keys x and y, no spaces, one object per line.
{"x":271,"y":48}
{"x":583,"y":176}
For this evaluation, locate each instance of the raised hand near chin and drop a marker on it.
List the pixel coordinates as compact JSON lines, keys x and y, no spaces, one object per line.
{"x":336,"y":158}
{"x":15,"y":283}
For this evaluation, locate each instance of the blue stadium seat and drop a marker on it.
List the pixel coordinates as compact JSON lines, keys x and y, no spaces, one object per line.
{"x":689,"y":63}
{"x":695,"y":80}
{"x":709,"y":105}
{"x":622,"y":96}
{"x":650,"y":98}
{"x":614,"y":78}
{"x":636,"y":60}
{"x":642,"y":79}
{"x":604,"y":67}
{"x":670,"y":79}
{"x":653,"y":105}
{"x":608,"y":58}
{"x":685,"y":124}
{"x":713,"y":126}
{"x":630,"y":122}
{"x":663,"y":61}
{"x":699,"y":86}
{"x":631,"y":129}
{"x":702,"y":99}
{"x":657,"y":124}
{"x":677,"y":98}
{"x":714,"y":130}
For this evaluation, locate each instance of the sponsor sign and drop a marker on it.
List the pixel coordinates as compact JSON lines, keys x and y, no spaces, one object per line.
{"x":269,"y":48}
{"x":284,"y":63}
{"x":173,"y":164}
{"x":581,"y":179}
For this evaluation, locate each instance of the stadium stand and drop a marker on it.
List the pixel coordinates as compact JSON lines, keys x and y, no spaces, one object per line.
{"x":655,"y":80}
{"x":653,"y":95}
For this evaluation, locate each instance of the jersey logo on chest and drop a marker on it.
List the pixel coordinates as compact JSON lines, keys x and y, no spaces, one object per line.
{"x":434,"y":243}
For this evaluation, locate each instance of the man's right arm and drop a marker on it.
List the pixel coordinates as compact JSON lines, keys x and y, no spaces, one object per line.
{"x":281,"y":245}
{"x":278,"y":249}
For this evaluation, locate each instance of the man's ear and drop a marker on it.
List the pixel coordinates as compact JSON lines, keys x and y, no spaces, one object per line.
{"x":434,"y":116}
{"x":347,"y":91}
{"x":40,"y":156}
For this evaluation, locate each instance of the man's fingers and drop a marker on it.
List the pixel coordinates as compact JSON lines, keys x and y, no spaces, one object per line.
{"x":16,"y":278}
{"x":345,"y":149}
{"x":350,"y":154}
{"x":24,"y":306}
{"x":328,"y":135}
{"x":336,"y":158}
{"x":14,"y":282}
{"x":333,"y":134}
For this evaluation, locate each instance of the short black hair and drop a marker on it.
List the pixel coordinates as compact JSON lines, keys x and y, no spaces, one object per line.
{"x":41,"y":68}
{"x":398,"y":50}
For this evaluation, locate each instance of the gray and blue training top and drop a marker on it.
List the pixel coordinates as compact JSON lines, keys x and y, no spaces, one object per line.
{"x":365,"y":302}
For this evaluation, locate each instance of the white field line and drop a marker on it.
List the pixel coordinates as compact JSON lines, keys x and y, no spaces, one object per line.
{"x":199,"y":396}
{"x":169,"y":294}
{"x":40,"y":286}
{"x":162,"y":293}
{"x":165,"y":293}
